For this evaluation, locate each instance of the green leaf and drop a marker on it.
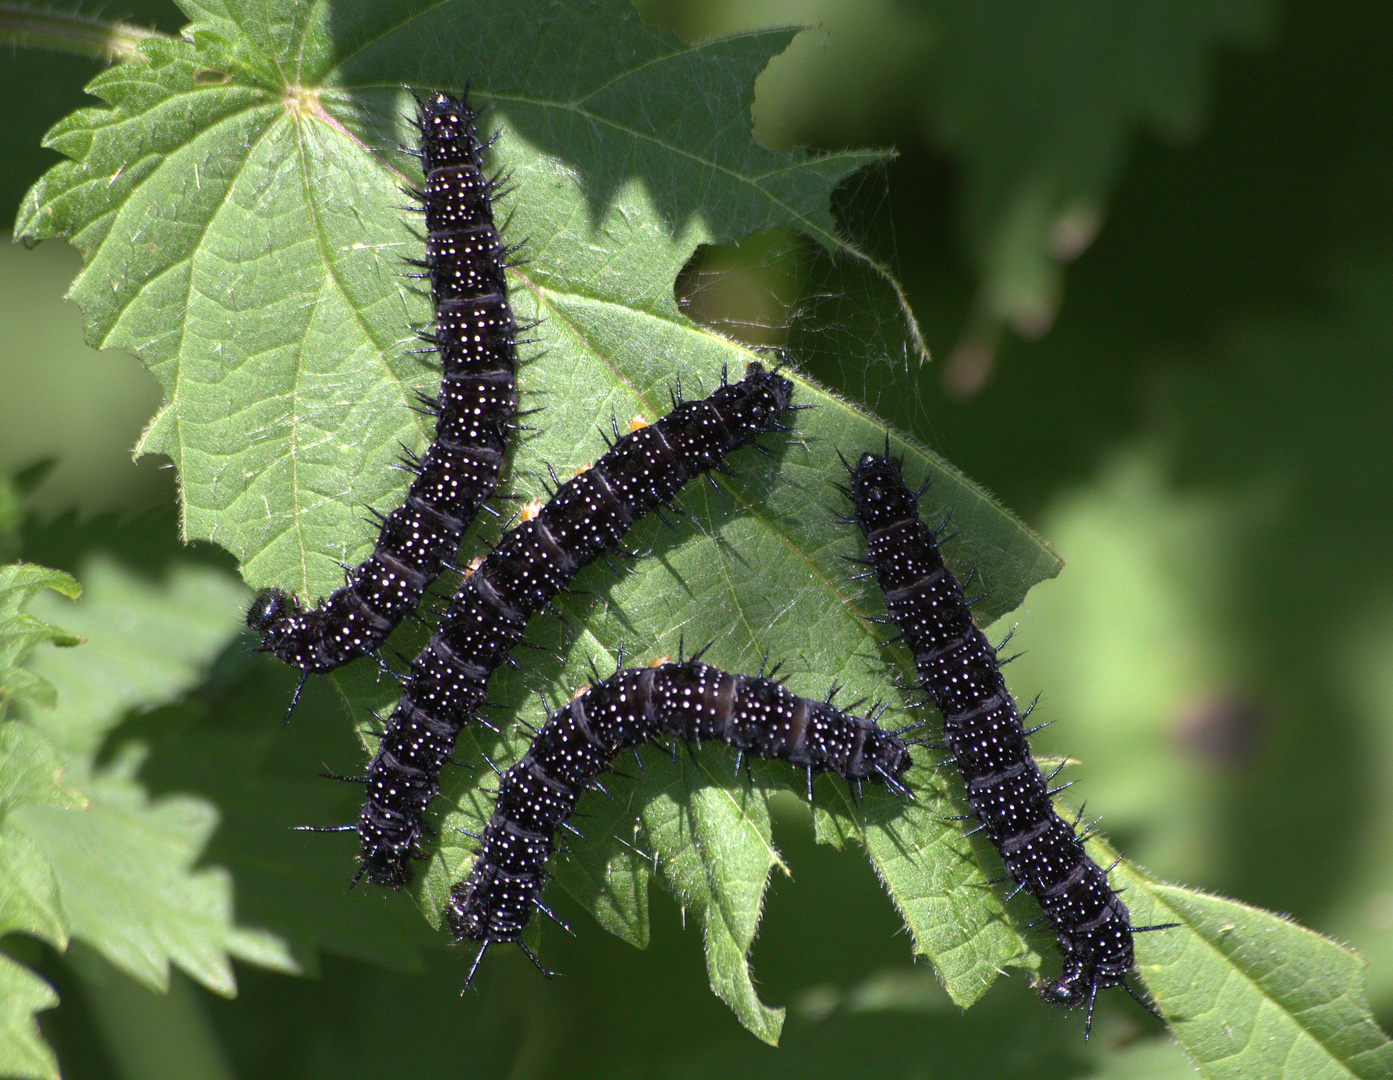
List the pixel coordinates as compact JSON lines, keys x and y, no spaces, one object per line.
{"x":19,"y":633}
{"x":23,"y":1052}
{"x":289,"y":382}
{"x":718,"y":852}
{"x":93,"y":856}
{"x":125,"y":863}
{"x":1249,"y":993}
{"x":233,"y":750}
{"x":29,"y":776}
{"x":235,"y":207}
{"x":125,"y":869}
{"x":145,"y":644}
{"x":29,"y":898}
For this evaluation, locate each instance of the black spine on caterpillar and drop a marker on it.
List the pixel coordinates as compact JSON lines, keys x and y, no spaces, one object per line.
{"x":687,"y":700}
{"x":533,"y":562}
{"x":475,"y":335}
{"x":984,"y":732}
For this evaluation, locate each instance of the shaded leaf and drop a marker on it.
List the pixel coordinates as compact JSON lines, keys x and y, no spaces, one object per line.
{"x":145,"y":644}
{"x":265,"y":776}
{"x":29,"y":776}
{"x":23,"y":1052}
{"x":93,"y":856}
{"x":20,"y":633}
{"x":1043,"y":106}
{"x":716,"y":852}
{"x":125,"y":868}
{"x":29,"y":899}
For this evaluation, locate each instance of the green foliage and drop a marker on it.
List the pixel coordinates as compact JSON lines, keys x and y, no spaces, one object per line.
{"x":1296,"y":1007}
{"x":29,"y":900}
{"x":1046,"y":137}
{"x":288,"y":384}
{"x":1038,"y":105}
{"x":20,"y":633}
{"x":233,"y":204}
{"x":86,"y":852}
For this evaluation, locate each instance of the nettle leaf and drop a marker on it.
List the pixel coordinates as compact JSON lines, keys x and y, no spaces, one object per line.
{"x":23,"y":1052}
{"x":237,"y":204}
{"x":20,"y":632}
{"x":107,"y":863}
{"x":1249,"y":993}
{"x":83,"y":851}
{"x":30,"y":771}
{"x":29,"y":900}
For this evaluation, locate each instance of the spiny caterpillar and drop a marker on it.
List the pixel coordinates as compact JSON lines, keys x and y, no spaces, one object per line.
{"x":687,"y":700}
{"x":534,"y":561}
{"x":984,"y":732}
{"x":476,"y":338}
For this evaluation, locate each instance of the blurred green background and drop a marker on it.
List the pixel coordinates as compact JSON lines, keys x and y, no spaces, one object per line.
{"x":1160,"y":310}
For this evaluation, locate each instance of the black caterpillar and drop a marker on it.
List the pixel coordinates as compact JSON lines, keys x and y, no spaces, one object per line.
{"x":984,"y":732}
{"x":475,"y":336}
{"x":534,"y":561}
{"x":687,"y":700}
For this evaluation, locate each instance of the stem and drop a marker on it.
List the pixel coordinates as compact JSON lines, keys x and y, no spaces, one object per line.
{"x":69,"y":32}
